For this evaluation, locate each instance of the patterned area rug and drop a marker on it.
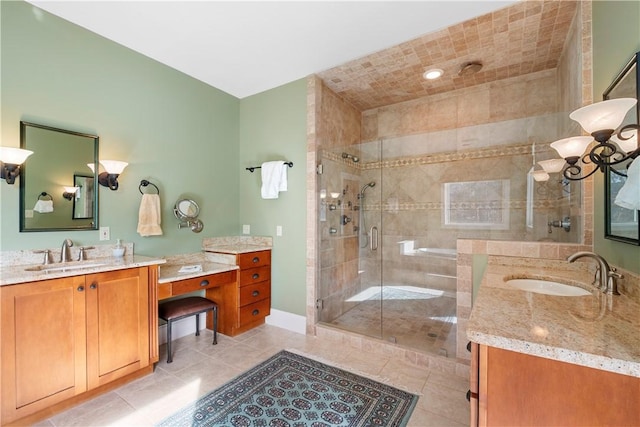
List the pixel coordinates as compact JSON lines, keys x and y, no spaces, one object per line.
{"x":292,"y":390}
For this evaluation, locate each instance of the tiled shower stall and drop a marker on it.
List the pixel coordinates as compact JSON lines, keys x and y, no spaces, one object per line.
{"x":397,"y":185}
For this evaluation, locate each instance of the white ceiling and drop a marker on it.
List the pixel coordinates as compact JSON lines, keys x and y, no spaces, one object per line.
{"x":244,"y":48}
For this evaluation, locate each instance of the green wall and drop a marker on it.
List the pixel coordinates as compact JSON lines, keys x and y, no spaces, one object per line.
{"x":616,"y":37}
{"x":273,"y":127}
{"x":175,"y":131}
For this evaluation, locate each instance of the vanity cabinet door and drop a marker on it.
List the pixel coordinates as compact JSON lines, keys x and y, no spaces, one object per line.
{"x":517,"y":389}
{"x":43,"y":344}
{"x":117,"y":324}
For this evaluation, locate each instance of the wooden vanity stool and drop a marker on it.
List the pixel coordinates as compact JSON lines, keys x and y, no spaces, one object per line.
{"x":171,"y":311}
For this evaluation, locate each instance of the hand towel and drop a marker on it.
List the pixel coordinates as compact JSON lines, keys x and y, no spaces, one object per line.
{"x":629,"y":195}
{"x":44,"y":206}
{"x":149,"y":216}
{"x":274,"y":179}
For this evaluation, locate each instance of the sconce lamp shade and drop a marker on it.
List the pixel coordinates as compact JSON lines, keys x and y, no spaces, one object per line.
{"x":627,"y":145}
{"x":607,"y":114}
{"x":14,"y":156}
{"x":540,"y":175}
{"x":92,"y":166}
{"x":572,"y":147}
{"x":114,"y":167}
{"x":552,"y":165}
{"x":10,"y":160}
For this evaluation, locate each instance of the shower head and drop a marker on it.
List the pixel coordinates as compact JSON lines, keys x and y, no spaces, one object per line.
{"x":364,"y":187}
{"x":355,"y":159}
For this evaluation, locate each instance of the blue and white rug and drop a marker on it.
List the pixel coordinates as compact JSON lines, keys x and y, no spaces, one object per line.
{"x":292,"y":390}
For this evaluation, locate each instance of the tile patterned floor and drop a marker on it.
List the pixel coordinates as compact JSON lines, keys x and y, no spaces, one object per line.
{"x":199,"y":367}
{"x":422,"y":319}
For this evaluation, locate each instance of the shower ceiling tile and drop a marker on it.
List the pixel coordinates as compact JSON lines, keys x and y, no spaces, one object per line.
{"x":524,"y":38}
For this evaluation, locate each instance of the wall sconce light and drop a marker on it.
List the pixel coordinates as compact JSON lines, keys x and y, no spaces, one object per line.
{"x":10,"y":160}
{"x":70,"y":192}
{"x":113,"y":169}
{"x":600,"y":120}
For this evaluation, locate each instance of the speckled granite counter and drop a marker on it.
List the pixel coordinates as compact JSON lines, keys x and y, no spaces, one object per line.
{"x":170,"y":272}
{"x":17,"y":266}
{"x":598,"y":331}
{"x":237,"y":244}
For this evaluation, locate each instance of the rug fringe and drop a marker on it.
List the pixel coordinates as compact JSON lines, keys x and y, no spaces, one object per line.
{"x":384,"y":380}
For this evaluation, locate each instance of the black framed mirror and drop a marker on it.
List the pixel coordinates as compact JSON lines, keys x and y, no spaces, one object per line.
{"x":60,"y":159}
{"x":622,"y":224}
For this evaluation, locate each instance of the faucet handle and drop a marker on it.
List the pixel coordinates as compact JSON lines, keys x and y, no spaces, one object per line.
{"x":81,"y":252}
{"x":612,"y":284}
{"x":46,"y":253}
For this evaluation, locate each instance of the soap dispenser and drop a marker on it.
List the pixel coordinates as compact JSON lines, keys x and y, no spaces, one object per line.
{"x":118,"y":251}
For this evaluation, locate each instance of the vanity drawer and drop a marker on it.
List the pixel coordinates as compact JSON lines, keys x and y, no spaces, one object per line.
{"x":254,"y":259}
{"x":254,"y":312}
{"x":253,"y":293}
{"x":255,"y":275}
{"x":202,"y":282}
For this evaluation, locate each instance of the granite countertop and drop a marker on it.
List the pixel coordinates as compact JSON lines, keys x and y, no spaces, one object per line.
{"x":237,"y":244}
{"x":170,"y":272}
{"x":598,"y":331}
{"x":15,"y":273}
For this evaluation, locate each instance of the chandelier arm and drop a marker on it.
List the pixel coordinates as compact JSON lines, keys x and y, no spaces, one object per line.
{"x":618,"y":172}
{"x":573,"y":170}
{"x":627,"y":127}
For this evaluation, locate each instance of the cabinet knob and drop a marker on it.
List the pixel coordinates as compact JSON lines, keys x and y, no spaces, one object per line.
{"x":255,"y":312}
{"x":80,"y":288}
{"x":255,"y":293}
{"x":255,"y":275}
{"x":469,"y":346}
{"x":468,"y":395}
{"x":204,"y":283}
{"x":255,"y":259}
{"x":93,"y":286}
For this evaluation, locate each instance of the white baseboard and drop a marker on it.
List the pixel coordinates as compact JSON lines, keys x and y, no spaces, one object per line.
{"x":286,"y":320}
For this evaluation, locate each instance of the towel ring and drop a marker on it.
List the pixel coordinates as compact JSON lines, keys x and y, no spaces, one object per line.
{"x":45,"y":194}
{"x":145,"y":183}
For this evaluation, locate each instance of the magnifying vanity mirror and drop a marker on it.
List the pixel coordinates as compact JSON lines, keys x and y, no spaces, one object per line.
{"x":60,"y":159}
{"x":187,"y":211}
{"x":622,"y":224}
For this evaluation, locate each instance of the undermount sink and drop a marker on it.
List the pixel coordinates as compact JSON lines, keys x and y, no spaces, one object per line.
{"x":62,"y":268}
{"x":548,"y":287}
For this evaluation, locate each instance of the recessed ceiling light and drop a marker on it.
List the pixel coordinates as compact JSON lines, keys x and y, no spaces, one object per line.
{"x":433,"y":73}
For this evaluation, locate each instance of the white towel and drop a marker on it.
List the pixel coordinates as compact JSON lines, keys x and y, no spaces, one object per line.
{"x":629,"y":195}
{"x":44,"y":206}
{"x":149,"y":216}
{"x":274,"y":179}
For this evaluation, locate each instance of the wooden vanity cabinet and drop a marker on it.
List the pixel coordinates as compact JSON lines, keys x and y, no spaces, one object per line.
{"x":516,"y":389}
{"x":250,"y":302}
{"x":63,"y":337}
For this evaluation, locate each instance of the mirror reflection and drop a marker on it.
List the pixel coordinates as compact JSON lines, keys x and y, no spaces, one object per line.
{"x":622,"y":224}
{"x":59,"y":160}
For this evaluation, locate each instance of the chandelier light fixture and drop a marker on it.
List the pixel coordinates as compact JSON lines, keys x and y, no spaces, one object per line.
{"x":601,"y":120}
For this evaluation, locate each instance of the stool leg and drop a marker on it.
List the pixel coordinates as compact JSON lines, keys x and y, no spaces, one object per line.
{"x":215,"y":325}
{"x":169,"y":358}
{"x":197,"y":324}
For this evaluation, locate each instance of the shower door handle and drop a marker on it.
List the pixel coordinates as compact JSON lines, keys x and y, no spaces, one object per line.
{"x":374,"y":238}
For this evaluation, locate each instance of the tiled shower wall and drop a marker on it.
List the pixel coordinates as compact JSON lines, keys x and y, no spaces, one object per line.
{"x":526,"y":107}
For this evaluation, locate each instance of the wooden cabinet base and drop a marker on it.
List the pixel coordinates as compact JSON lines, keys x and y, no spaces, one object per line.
{"x":71,"y":402}
{"x":516,"y":389}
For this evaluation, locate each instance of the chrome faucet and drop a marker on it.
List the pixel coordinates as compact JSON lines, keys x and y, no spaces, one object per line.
{"x":64,"y":252}
{"x":606,"y":275}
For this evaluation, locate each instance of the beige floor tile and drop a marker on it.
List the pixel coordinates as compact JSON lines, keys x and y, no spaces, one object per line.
{"x":199,"y":367}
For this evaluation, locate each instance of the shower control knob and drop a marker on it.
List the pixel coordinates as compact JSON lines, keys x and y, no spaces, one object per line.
{"x":345,"y":220}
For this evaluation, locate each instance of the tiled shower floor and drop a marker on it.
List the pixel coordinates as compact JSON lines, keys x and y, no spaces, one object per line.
{"x":419,"y":318}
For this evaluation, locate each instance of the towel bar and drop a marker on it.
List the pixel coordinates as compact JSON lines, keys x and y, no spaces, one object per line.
{"x":251,"y":169}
